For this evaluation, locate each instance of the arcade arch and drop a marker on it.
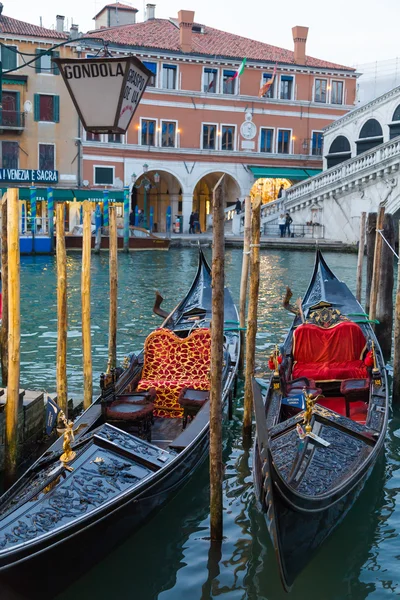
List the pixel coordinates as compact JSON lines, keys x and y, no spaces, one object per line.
{"x":371,"y":135}
{"x":202,"y":195}
{"x":339,"y":151}
{"x":157,"y":189}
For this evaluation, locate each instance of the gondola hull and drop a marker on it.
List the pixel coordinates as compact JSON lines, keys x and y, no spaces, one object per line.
{"x":59,"y":512}
{"x":307,"y":485}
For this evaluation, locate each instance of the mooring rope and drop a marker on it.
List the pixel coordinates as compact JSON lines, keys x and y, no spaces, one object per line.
{"x":385,"y":240}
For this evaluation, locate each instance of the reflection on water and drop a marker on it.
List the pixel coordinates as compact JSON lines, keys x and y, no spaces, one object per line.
{"x":170,"y":558}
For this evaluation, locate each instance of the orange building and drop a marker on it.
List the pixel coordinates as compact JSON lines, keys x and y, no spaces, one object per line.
{"x":196,"y":120}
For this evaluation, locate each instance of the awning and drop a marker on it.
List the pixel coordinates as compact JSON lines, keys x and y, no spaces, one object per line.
{"x":284,"y":172}
{"x":65,"y":195}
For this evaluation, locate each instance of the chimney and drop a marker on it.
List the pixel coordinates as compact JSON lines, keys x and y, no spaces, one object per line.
{"x":300,"y":38}
{"x":74,"y":32}
{"x":60,"y":23}
{"x":185,"y":20}
{"x":150,"y":12}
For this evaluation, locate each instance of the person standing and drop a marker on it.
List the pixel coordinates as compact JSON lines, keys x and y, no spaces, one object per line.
{"x":238,"y":206}
{"x":281,"y":190}
{"x":196,"y":222}
{"x":288,"y":221}
{"x":282,"y":224}
{"x":191,"y":220}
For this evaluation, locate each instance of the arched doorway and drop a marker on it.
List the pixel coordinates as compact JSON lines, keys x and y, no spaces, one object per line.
{"x":371,"y":135}
{"x":339,"y":151}
{"x":394,"y":126}
{"x":202,"y":195}
{"x":154,"y":191}
{"x":270,"y":187}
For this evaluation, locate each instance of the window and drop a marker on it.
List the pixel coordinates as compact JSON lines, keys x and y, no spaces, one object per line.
{"x":320,"y":90}
{"x":267,"y":77}
{"x":209,"y":137}
{"x":228,"y":137}
{"x":10,"y":112}
{"x":228,"y":84}
{"x":266,"y":143}
{"x":44,"y":63}
{"x":9,"y":155}
{"x":8,"y":57}
{"x":104,"y":175}
{"x":115,"y":138}
{"x":283,"y":141}
{"x":286,"y":87}
{"x":148,"y":133}
{"x":339,"y":151}
{"x":169,"y":77}
{"x":337,"y":92}
{"x":46,"y":157}
{"x":317,"y":141}
{"x":168,"y":130}
{"x":152,"y":66}
{"x":47,"y":108}
{"x":92,"y":137}
{"x":210,"y":79}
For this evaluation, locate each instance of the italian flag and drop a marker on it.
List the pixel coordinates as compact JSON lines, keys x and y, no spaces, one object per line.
{"x":240,"y":70}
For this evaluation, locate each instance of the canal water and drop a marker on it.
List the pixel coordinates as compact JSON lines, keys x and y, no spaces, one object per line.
{"x":169,"y":558}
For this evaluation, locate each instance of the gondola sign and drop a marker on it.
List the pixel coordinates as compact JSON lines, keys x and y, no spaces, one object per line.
{"x":105,"y":91}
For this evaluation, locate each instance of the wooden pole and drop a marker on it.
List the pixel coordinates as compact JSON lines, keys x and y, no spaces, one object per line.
{"x":252,"y":315}
{"x":14,"y":336}
{"x":4,"y":293}
{"x":112,"y":335}
{"x":396,"y":357}
{"x":61,"y":309}
{"x":371,"y":233}
{"x":384,"y":304}
{"x":245,"y":277}
{"x":377,"y":264}
{"x":361,"y":248}
{"x":85,"y":290}
{"x":217,"y":351}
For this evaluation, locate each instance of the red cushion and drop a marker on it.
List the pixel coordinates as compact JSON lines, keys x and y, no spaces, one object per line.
{"x":343,"y":342}
{"x":358,"y":409}
{"x":330,"y":371}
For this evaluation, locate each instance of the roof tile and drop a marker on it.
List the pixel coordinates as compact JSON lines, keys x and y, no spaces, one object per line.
{"x":9,"y":25}
{"x":163,"y":34}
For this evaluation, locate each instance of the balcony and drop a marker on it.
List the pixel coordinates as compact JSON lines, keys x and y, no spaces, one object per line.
{"x":11,"y":120}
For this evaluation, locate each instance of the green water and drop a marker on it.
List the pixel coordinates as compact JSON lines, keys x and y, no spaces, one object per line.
{"x":169,"y":557}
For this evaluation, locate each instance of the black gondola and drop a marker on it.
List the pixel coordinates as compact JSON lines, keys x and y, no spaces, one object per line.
{"x":72,"y":508}
{"x":322,"y":423}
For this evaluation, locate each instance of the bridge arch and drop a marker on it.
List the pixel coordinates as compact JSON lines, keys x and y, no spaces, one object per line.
{"x":394,"y":126}
{"x":371,"y":135}
{"x":339,"y":151}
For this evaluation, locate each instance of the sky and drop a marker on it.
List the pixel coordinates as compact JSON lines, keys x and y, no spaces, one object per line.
{"x":348,"y":32}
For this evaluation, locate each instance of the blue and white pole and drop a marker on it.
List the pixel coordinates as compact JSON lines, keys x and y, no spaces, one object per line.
{"x":50,"y":215}
{"x":126,"y":218}
{"x":32,"y":197}
{"x":105,"y":209}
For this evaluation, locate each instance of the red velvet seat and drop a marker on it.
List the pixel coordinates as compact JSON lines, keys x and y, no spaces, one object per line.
{"x":358,"y":409}
{"x":331,"y":354}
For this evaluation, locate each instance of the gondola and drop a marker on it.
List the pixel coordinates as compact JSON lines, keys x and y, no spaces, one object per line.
{"x":127,"y":454}
{"x":321,"y":424}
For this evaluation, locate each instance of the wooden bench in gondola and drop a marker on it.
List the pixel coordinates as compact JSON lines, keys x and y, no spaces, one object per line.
{"x":193,"y":429}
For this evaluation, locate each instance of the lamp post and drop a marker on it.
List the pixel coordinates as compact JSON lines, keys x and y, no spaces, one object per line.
{"x":146,"y":184}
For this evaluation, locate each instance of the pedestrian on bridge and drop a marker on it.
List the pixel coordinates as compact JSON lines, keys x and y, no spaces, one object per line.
{"x":288,"y":221}
{"x":282,"y":224}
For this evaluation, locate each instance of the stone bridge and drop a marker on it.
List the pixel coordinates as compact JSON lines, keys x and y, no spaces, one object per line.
{"x":334,"y":200}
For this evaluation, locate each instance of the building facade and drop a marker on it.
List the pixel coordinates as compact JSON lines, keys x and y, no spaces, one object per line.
{"x":197,"y":121}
